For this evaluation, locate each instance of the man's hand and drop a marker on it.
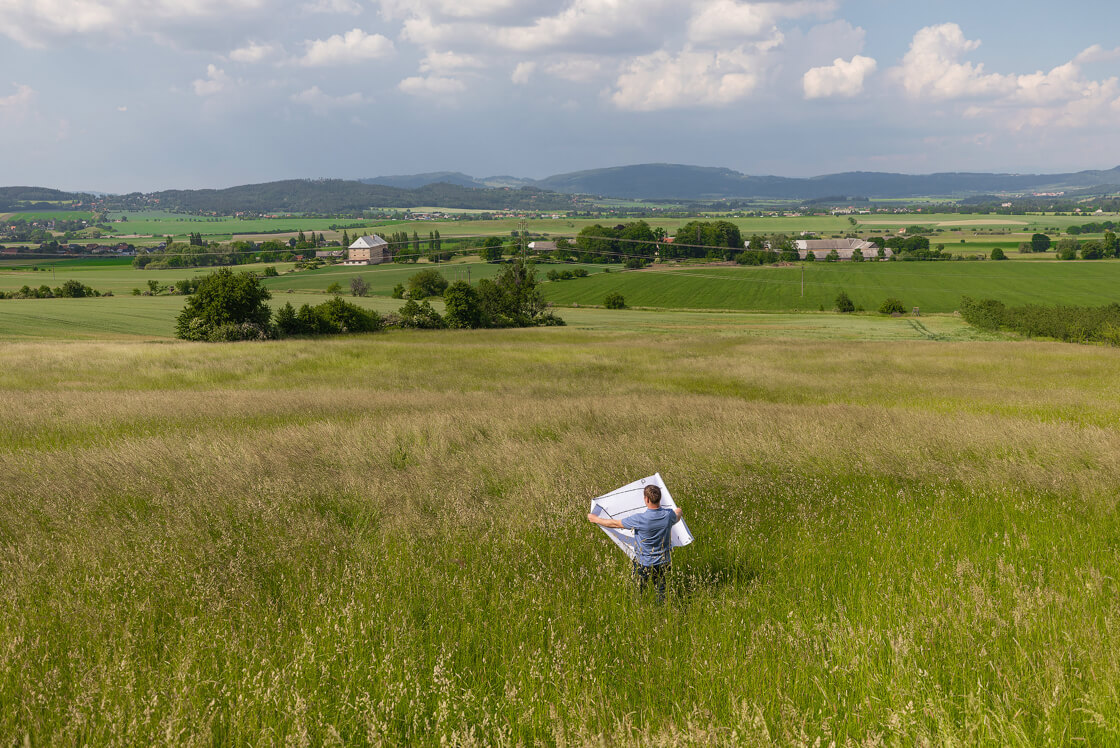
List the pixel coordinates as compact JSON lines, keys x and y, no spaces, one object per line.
{"x":612,"y":523}
{"x":679,"y":511}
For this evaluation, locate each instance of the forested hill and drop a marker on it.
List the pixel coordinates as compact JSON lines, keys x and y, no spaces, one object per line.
{"x":651,"y":181}
{"x":702,"y":183}
{"x":345,"y":196}
{"x":12,"y":198}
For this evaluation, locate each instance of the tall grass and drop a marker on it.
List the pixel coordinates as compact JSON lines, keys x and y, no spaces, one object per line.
{"x":382,"y":540}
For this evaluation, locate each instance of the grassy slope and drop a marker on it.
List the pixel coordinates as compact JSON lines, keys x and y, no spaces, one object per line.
{"x":382,"y":539}
{"x":154,"y":317}
{"x":935,"y":287}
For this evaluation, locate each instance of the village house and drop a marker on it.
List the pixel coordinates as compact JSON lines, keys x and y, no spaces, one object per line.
{"x":369,"y":250}
{"x":844,"y":248}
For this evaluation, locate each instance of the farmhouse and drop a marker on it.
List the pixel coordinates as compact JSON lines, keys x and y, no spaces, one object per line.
{"x":369,"y":250}
{"x":326,"y":254}
{"x":539,"y":246}
{"x":844,"y":248}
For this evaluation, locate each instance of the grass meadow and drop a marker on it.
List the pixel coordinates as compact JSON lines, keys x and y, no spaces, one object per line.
{"x":382,"y":540}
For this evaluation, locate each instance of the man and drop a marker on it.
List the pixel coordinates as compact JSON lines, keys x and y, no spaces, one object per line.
{"x":653,"y":540}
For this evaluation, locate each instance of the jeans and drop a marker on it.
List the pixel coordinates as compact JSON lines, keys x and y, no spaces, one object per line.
{"x":655,"y":575}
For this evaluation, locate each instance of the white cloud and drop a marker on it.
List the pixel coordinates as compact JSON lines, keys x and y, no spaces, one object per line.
{"x":841,"y":78}
{"x":321,"y":103}
{"x":932,"y":67}
{"x":441,"y":62}
{"x":1097,"y":53}
{"x":691,"y":78}
{"x":523,"y":72}
{"x":18,"y":105}
{"x":341,"y":49}
{"x":215,"y":82}
{"x":35,"y":22}
{"x":719,"y":20}
{"x":432,"y":85}
{"x":254,"y":52}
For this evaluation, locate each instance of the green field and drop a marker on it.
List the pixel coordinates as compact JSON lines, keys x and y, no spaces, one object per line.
{"x":381,"y":539}
{"x":162,"y":223}
{"x":952,"y":227}
{"x":122,"y":317}
{"x":932,"y":286}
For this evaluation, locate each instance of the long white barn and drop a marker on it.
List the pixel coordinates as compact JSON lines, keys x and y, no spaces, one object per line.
{"x":844,"y":248}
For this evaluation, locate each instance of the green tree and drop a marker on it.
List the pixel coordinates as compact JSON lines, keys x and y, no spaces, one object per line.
{"x":224,"y":298}
{"x":1067,"y":248}
{"x":463,"y":309}
{"x":426,"y":283}
{"x":153,"y":287}
{"x":420,"y":316}
{"x":1111,"y":244}
{"x":1040,"y":242}
{"x":844,"y":303}
{"x":491,"y":250}
{"x":614,"y":301}
{"x":998,"y":254}
{"x":892,"y":305}
{"x":335,"y":288}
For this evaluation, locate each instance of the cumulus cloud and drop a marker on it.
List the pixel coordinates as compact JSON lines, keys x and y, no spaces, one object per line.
{"x":1061,"y":97}
{"x":18,"y":105}
{"x":841,"y":78}
{"x":523,"y":72}
{"x":254,"y":52}
{"x":691,"y":78}
{"x":932,"y":67}
{"x":215,"y":82}
{"x":432,"y":85}
{"x":342,"y":49}
{"x":321,"y":103}
{"x":442,"y":62}
{"x":33,"y":23}
{"x":1097,"y":53}
{"x":719,"y":20}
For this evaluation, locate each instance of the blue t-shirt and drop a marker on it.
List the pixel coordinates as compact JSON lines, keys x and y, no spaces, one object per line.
{"x":653,"y":530}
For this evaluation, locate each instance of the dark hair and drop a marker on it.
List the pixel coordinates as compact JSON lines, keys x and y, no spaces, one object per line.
{"x":653,"y":494}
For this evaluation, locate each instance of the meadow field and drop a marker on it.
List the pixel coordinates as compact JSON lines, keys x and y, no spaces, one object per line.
{"x":934,"y":287}
{"x":382,"y":539}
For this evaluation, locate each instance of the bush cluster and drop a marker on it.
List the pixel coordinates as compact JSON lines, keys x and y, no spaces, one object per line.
{"x":1072,"y":324}
{"x":563,"y":275}
{"x":71,"y":289}
{"x":334,"y":317}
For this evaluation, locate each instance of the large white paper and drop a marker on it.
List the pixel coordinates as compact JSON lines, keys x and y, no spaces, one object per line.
{"x":623,"y":502}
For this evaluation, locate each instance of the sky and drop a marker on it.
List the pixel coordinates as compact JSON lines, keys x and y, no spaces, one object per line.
{"x":141,"y":95}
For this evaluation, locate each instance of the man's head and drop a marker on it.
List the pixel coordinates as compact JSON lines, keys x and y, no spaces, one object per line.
{"x":652,"y":496}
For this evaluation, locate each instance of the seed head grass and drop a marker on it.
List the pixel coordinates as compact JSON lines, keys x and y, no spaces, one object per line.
{"x":383,"y":540}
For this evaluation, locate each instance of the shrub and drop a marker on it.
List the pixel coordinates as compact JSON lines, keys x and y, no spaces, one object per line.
{"x":359,"y":286}
{"x":580,"y":273}
{"x":420,"y":316}
{"x":398,"y":291}
{"x":614,"y":301}
{"x":136,"y":292}
{"x":335,"y":288}
{"x":844,"y":303}
{"x":832,"y":256}
{"x":223,"y":298}
{"x":997,"y":254}
{"x":73,"y":289}
{"x":426,"y":283}
{"x":332,"y":317}
{"x":270,"y":272}
{"x":463,"y":308}
{"x":892,"y":305}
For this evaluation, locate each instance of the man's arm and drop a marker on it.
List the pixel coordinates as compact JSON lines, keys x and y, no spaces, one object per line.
{"x":604,"y":522}
{"x":679,"y":512}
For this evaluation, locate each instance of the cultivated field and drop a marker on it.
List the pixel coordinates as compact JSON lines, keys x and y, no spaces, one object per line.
{"x":382,"y":540}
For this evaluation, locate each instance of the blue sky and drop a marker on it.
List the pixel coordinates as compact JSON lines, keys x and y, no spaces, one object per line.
{"x":122,"y":95}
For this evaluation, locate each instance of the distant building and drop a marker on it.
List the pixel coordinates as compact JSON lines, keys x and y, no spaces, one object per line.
{"x":539,"y":246}
{"x":369,"y":250}
{"x":844,"y":248}
{"x":328,"y":254}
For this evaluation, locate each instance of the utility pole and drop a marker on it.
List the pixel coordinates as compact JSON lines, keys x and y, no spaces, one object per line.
{"x":803,"y":281}
{"x":522,"y":230}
